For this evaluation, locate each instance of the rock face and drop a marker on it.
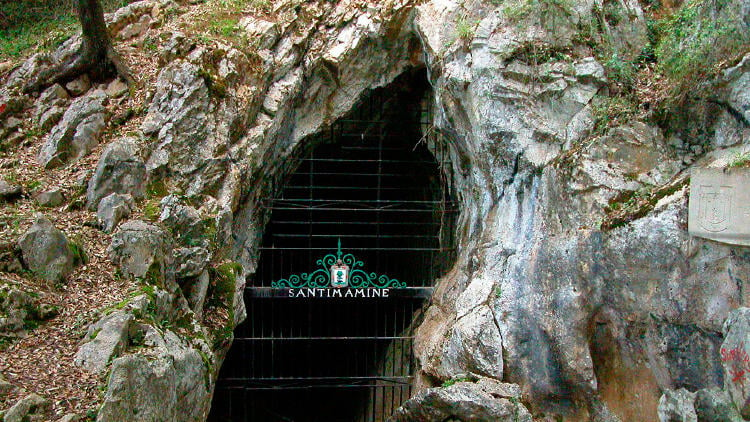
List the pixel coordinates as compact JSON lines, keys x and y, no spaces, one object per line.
{"x":120,"y":170}
{"x":736,"y":360}
{"x":575,"y":279}
{"x":47,"y":252}
{"x":77,"y":133}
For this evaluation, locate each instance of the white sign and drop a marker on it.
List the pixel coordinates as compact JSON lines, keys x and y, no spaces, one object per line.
{"x":719,"y":206}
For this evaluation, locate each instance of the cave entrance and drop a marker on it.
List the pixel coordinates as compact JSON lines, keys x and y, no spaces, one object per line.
{"x":376,"y":183}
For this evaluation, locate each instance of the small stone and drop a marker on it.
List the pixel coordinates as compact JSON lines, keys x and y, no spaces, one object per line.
{"x":12,"y":123}
{"x":70,"y":417}
{"x":9,"y":192}
{"x":78,"y":86}
{"x":51,"y":198}
{"x":116,"y":88}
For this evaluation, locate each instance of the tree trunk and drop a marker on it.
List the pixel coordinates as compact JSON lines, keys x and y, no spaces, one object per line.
{"x":96,"y":55}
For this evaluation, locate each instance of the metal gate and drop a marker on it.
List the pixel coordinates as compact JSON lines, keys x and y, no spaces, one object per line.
{"x":372,"y":197}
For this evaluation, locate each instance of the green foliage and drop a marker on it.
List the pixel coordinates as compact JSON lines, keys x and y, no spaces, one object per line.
{"x":454,"y":380}
{"x":538,"y":52}
{"x":39,"y":25}
{"x":94,"y":334}
{"x":216,"y":87}
{"x":465,"y":28}
{"x":157,"y":189}
{"x":225,"y":278}
{"x":79,"y":254}
{"x":693,"y":41}
{"x":612,"y":111}
{"x":550,"y":13}
{"x":620,"y":71}
{"x":740,"y":159}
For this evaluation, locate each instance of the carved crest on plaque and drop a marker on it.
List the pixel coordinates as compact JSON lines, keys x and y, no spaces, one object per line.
{"x":715,"y":210}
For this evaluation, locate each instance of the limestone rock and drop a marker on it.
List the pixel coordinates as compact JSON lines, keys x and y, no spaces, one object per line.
{"x":106,"y":339}
{"x":266,"y":33}
{"x":5,"y":387}
{"x":77,"y":133}
{"x":190,"y":262}
{"x":51,"y":198}
{"x":117,"y":88}
{"x":46,"y":251}
{"x":168,"y":385}
{"x":178,"y":46}
{"x":15,"y":307}
{"x":136,"y":29}
{"x":464,"y":401}
{"x":139,"y":249}
{"x":195,"y":290}
{"x":9,"y":192}
{"x":120,"y":170}
{"x":27,"y":408}
{"x":179,"y":117}
{"x":184,"y":221}
{"x":79,"y":85}
{"x":51,"y":106}
{"x":714,"y":405}
{"x":112,"y":209}
{"x":29,"y":70}
{"x":475,"y":345}
{"x":677,"y":405}
{"x":735,"y":358}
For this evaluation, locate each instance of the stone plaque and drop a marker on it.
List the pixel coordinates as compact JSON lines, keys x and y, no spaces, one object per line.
{"x":720,"y":205}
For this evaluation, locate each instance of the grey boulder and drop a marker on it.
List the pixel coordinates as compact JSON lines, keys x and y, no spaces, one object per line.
{"x":113,"y":209}
{"x":9,"y":192}
{"x":106,"y":339}
{"x":50,"y":198}
{"x":28,"y":406}
{"x":77,"y":133}
{"x":47,"y":252}
{"x":139,"y":249}
{"x":465,"y":401}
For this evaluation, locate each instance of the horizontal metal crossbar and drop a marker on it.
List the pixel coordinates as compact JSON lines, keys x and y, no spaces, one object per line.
{"x":358,"y":236}
{"x":312,"y":387}
{"x":323,"y":208}
{"x":272,"y":248}
{"x":360,"y":201}
{"x":323,"y":338}
{"x":361,"y":223}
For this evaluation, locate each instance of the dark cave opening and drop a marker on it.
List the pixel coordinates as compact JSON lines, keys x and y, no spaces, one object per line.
{"x":378,"y":182}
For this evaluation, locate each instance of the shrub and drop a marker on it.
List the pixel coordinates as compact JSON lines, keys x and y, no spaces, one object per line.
{"x":693,"y":43}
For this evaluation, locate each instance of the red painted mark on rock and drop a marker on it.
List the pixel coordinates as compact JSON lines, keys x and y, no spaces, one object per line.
{"x":739,"y":363}
{"x":3,"y":107}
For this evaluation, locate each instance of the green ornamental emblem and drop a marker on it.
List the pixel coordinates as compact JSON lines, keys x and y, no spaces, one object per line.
{"x":338,"y":270}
